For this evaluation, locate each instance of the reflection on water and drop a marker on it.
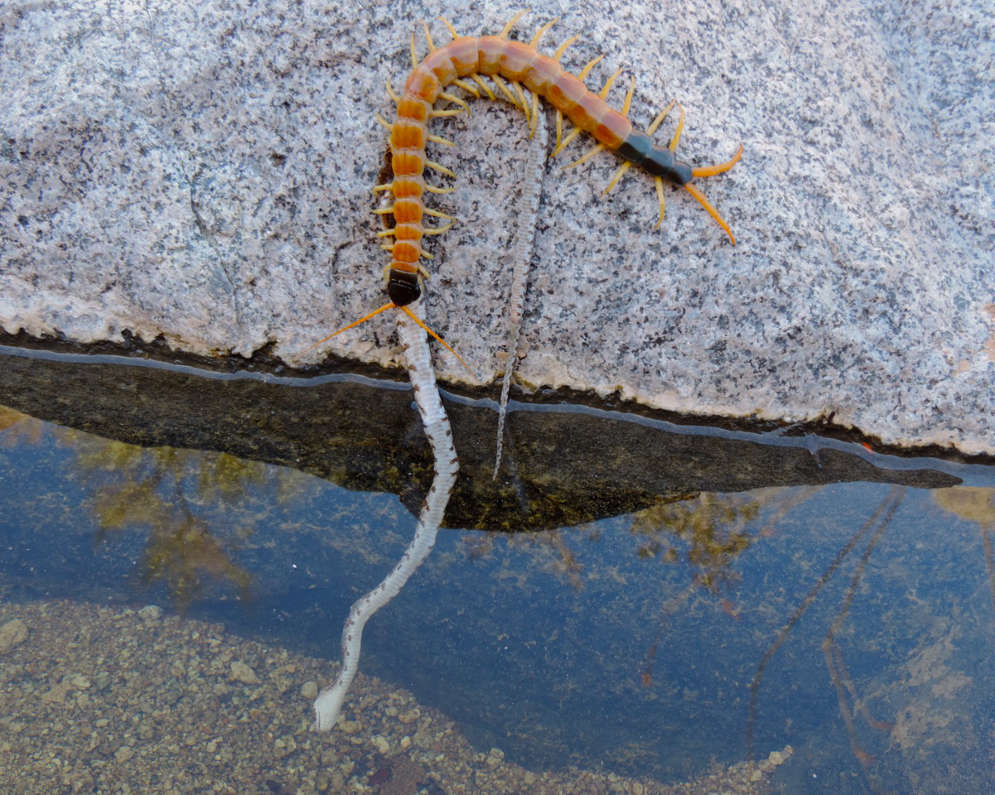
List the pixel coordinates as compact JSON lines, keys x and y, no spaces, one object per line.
{"x":851,"y":621}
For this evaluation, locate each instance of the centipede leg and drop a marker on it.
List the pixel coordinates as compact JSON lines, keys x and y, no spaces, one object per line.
{"x":467,"y":87}
{"x":483,"y":86}
{"x":455,"y":100}
{"x":563,"y":48}
{"x":619,"y":173}
{"x":511,"y":23}
{"x":658,"y":182}
{"x":678,"y":131}
{"x":428,"y":37}
{"x":448,"y":24}
{"x":586,"y":156}
{"x":660,"y":117}
{"x":541,"y":32}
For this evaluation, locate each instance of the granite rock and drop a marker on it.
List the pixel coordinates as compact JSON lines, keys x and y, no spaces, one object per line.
{"x":202,"y":173}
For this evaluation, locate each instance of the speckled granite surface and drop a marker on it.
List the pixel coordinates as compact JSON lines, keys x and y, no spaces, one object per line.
{"x":204,"y":175}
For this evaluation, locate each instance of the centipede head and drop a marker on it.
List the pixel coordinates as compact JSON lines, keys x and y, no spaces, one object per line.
{"x":403,"y":288}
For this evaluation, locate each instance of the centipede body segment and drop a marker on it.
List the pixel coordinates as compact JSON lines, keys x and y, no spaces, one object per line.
{"x":520,"y":74}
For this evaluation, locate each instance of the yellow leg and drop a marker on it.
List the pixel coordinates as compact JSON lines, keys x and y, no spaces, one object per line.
{"x":467,"y":87}
{"x":658,"y":181}
{"x":541,"y":32}
{"x":583,"y":73}
{"x":452,"y":30}
{"x":511,"y":23}
{"x":678,"y":131}
{"x":504,"y":89}
{"x":586,"y":156}
{"x":609,"y":82}
{"x":428,"y":37}
{"x":628,"y":98}
{"x":433,"y":189}
{"x":440,"y":168}
{"x":618,"y":175}
{"x":455,"y":100}
{"x":438,"y":230}
{"x":484,"y":87}
{"x":524,"y":102}
{"x":566,"y":141}
{"x":660,"y":117}
{"x":563,"y":48}
{"x":438,"y":214}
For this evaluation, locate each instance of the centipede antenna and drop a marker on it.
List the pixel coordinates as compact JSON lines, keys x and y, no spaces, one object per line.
{"x":435,"y":336}
{"x":438,"y":139}
{"x":541,"y":32}
{"x":586,"y":156}
{"x":678,"y":131}
{"x":660,"y":117}
{"x":483,"y":86}
{"x":428,"y":37}
{"x":511,"y":23}
{"x":455,"y":100}
{"x":440,"y":168}
{"x":355,"y":323}
{"x":563,"y":48}
{"x":658,"y":181}
{"x":711,"y":171}
{"x":583,"y":73}
{"x":448,"y":24}
{"x":710,"y":210}
{"x":609,"y":82}
{"x":414,"y":52}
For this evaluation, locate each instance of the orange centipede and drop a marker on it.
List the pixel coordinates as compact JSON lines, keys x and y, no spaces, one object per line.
{"x":510,"y":65}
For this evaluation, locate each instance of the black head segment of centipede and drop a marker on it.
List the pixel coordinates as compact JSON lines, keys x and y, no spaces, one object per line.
{"x":403,"y":289}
